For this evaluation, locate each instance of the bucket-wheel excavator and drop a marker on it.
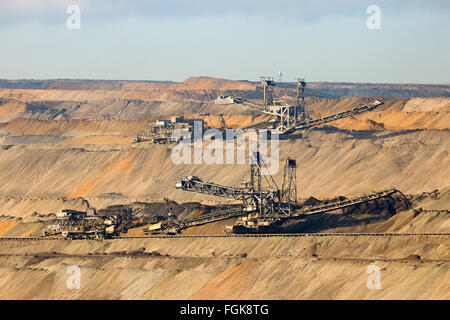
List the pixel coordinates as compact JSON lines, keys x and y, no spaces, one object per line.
{"x":287,"y":118}
{"x":265,"y":206}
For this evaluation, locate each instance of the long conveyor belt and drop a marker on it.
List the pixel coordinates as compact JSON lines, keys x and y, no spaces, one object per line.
{"x":309,"y":123}
{"x":335,"y":205}
{"x":212,"y":217}
{"x":307,"y":210}
{"x":249,"y":235}
{"x":336,"y":116}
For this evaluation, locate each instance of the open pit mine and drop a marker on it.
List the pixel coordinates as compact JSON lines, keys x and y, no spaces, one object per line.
{"x":219,"y":189}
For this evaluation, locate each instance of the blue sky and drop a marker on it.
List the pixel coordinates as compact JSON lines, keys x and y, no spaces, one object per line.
{"x":320,"y":40}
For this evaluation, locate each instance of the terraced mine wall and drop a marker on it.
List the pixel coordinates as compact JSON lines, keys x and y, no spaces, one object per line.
{"x":330,"y":164}
{"x":414,"y":267}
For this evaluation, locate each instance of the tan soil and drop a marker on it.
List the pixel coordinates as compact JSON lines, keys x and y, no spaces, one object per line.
{"x":47,"y":162}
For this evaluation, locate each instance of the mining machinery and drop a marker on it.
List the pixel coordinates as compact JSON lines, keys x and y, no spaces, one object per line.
{"x":263,"y":208}
{"x":286,"y":118}
{"x":169,"y":226}
{"x":170,"y":131}
{"x":222,"y":124}
{"x":267,"y":203}
{"x":72,"y":224}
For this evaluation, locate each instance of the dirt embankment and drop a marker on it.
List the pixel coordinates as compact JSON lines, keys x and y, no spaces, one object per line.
{"x":380,"y":89}
{"x":192,"y":83}
{"x":331,"y":267}
{"x":108,"y":127}
{"x":395,"y":114}
{"x":51,"y":158}
{"x":330,"y":164}
{"x":193,"y":89}
{"x":230,"y":268}
{"x":52,"y":104}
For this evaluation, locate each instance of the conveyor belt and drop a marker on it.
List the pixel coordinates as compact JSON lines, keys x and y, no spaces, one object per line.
{"x":212,"y":217}
{"x":336,"y":116}
{"x":310,"y":123}
{"x":344,"y":203}
{"x":282,"y":235}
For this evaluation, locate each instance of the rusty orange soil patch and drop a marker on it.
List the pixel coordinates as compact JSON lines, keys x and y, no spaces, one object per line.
{"x":112,"y":166}
{"x":5,"y":226}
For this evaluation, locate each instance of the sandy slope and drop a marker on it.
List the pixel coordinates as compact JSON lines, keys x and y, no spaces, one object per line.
{"x":107,"y":127}
{"x":304,"y":268}
{"x":412,"y":267}
{"x":51,"y":156}
{"x":330,"y":164}
{"x":396,"y":114}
